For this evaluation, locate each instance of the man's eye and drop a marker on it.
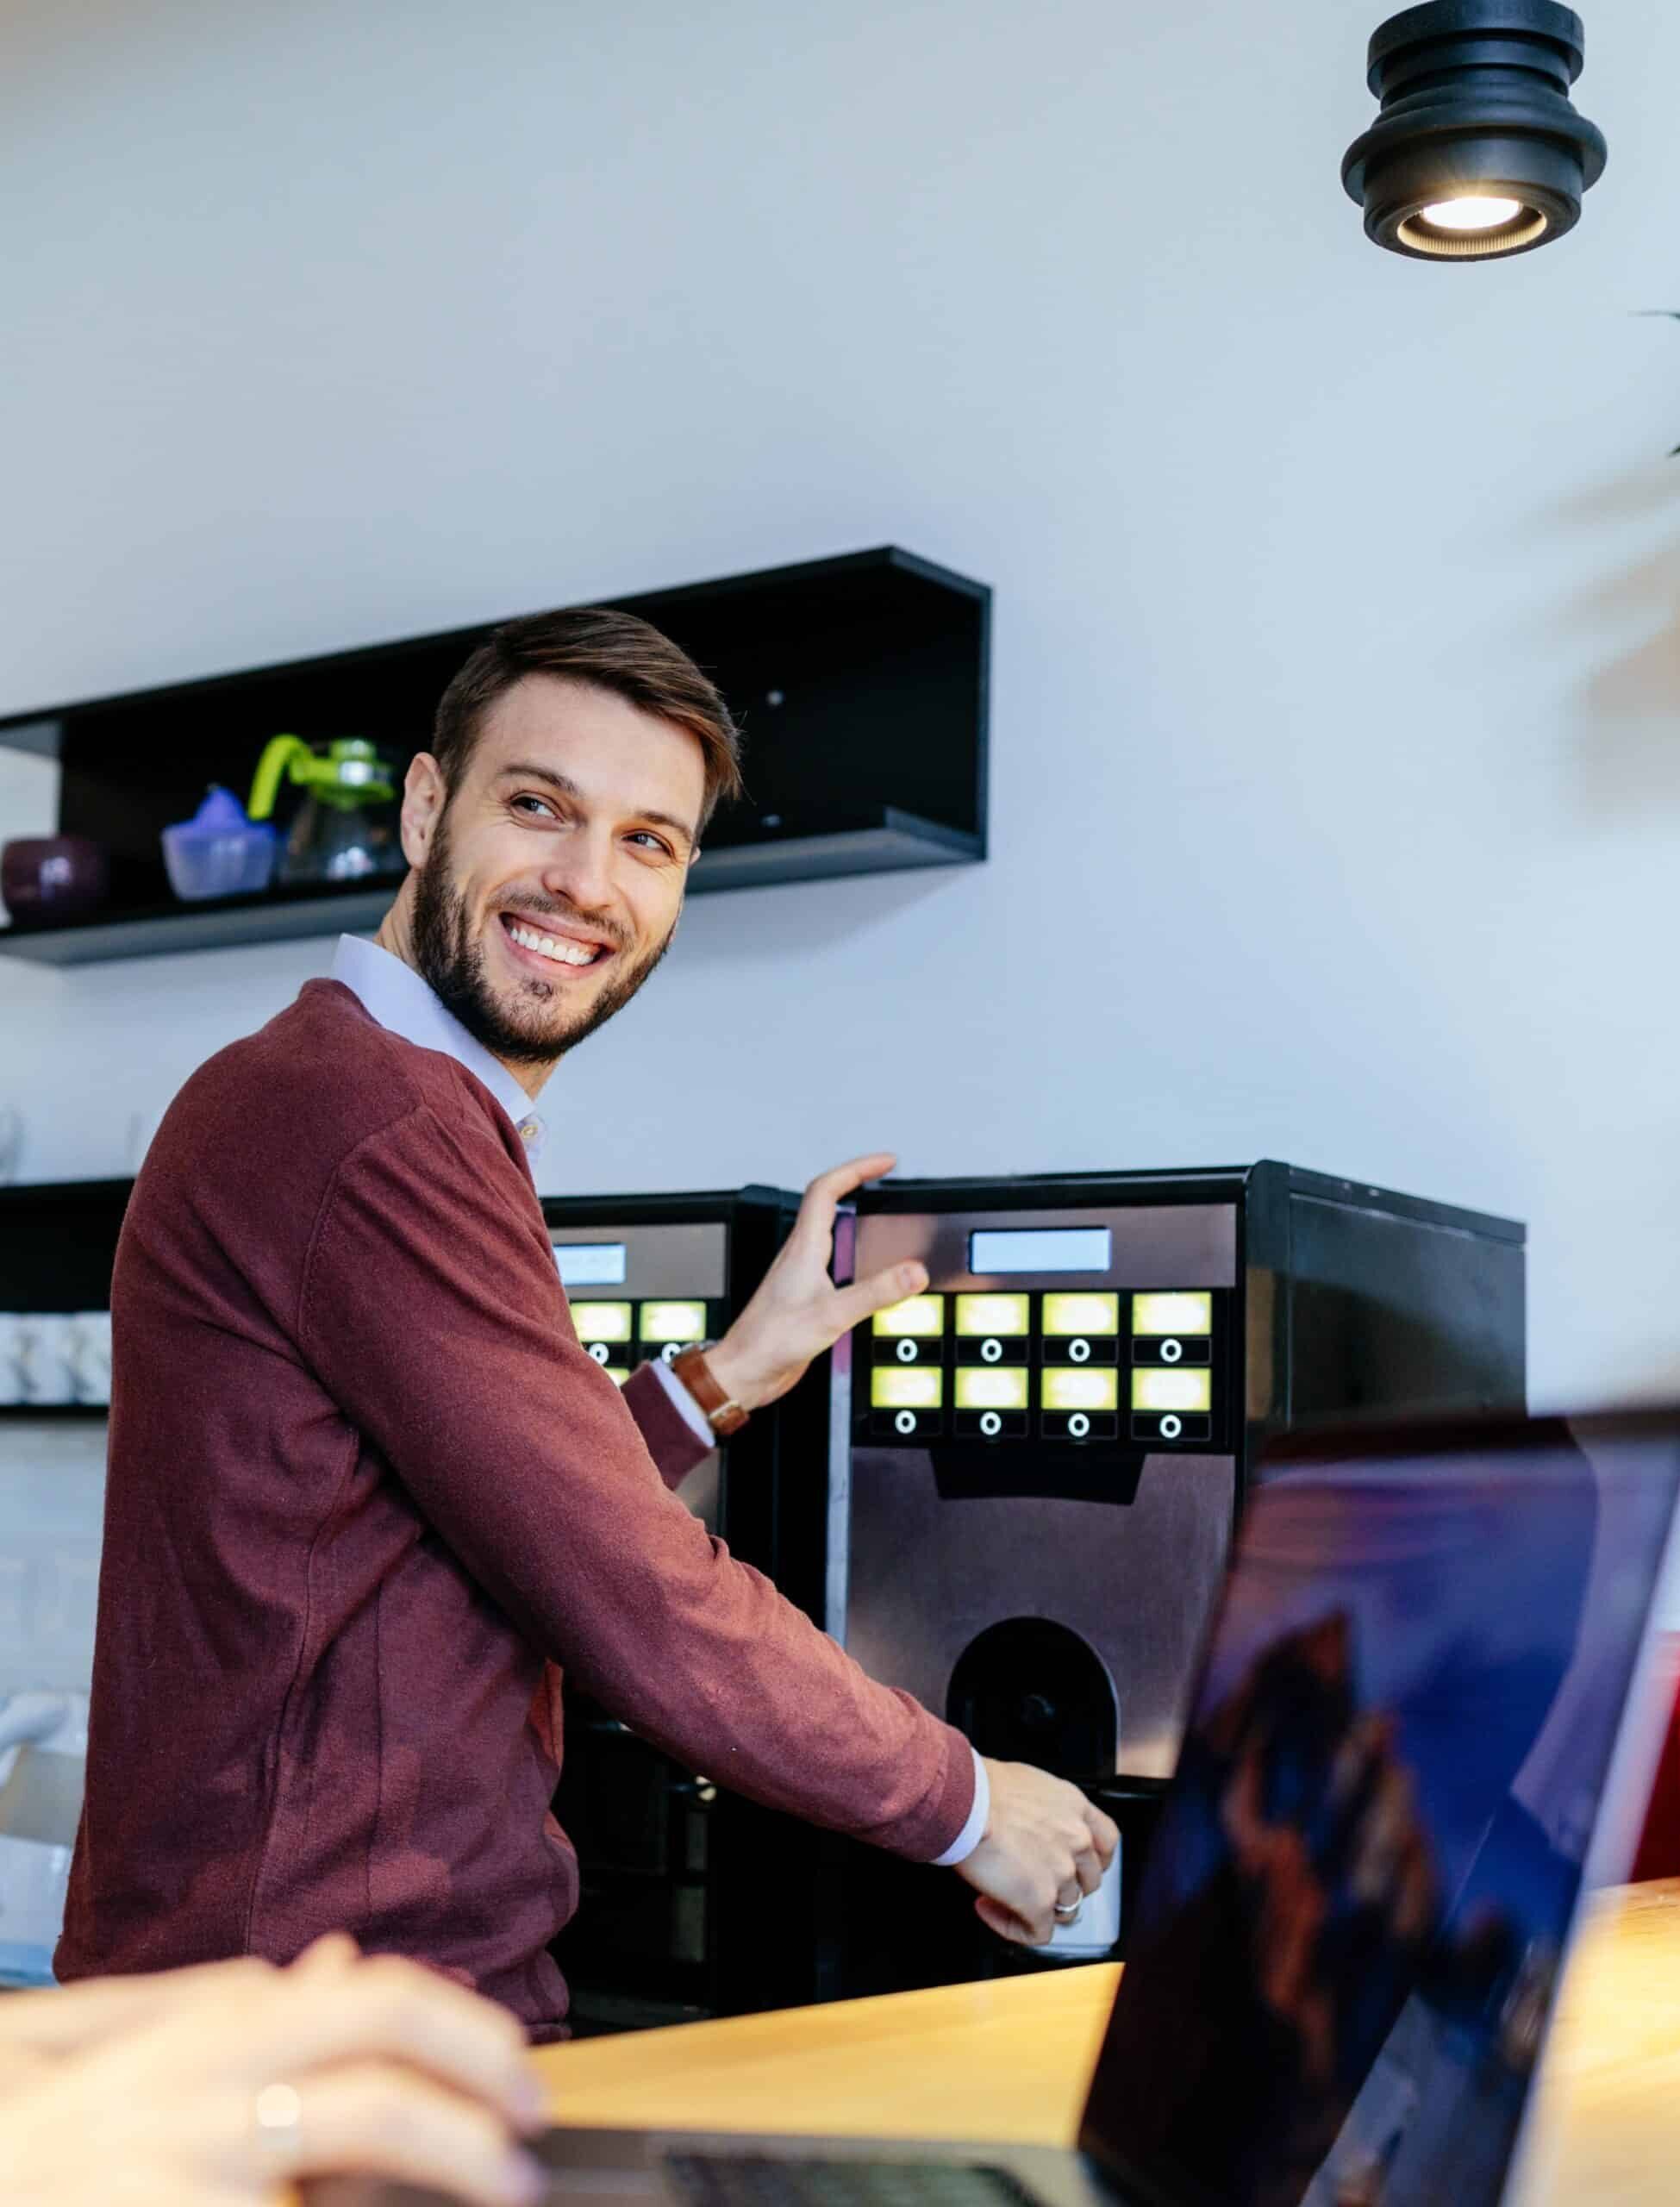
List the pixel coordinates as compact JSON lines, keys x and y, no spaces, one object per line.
{"x":649,"y":841}
{"x":525,"y":802}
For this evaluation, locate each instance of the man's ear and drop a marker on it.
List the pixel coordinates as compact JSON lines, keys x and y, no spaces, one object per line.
{"x":425,"y":793}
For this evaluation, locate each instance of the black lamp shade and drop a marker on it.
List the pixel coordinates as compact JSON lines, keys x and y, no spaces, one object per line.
{"x":1475,"y":109}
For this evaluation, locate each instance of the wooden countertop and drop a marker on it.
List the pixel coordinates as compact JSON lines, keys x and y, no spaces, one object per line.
{"x":1008,"y":2061}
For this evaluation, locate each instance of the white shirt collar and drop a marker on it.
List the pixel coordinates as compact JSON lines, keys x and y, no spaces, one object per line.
{"x":400,"y":1000}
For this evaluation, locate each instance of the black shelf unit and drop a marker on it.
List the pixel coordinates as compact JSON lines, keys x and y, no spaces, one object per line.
{"x":860,"y":684}
{"x":54,"y":1413}
{"x":57,"y":1239}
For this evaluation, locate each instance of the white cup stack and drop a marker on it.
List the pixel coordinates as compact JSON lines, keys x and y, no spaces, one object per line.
{"x":53,"y":1358}
{"x":11,"y":1358}
{"x":90,"y":1355}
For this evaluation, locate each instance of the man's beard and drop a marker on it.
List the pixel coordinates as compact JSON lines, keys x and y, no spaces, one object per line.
{"x":452,"y":962}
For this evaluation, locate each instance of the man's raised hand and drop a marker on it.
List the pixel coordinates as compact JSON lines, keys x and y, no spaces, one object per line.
{"x":798,"y":1311}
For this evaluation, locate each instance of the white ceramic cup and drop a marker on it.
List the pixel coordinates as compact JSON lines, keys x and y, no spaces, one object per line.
{"x":1092,"y":1935}
{"x":11,"y":1357}
{"x":48,"y":1338}
{"x":90,"y":1355}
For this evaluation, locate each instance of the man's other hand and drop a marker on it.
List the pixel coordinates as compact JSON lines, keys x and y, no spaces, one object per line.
{"x":798,"y":1311}
{"x":1045,"y":1842}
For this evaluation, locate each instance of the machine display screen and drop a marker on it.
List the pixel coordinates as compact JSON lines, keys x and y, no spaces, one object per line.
{"x":1166,"y":1388}
{"x":906,"y":1387}
{"x":994,"y":1314}
{"x":992,"y":1387}
{"x":1079,"y":1387}
{"x":591,"y":1264}
{"x":1039,"y":1249}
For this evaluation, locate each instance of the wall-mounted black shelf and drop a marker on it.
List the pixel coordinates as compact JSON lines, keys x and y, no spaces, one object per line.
{"x":57,"y":1240}
{"x":884,"y":842}
{"x":54,"y":1413}
{"x":860,"y":684}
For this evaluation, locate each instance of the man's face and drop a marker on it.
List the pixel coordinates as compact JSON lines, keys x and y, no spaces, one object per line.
{"x":548,"y":888}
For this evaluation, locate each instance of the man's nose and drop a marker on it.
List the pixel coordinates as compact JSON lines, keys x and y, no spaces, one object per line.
{"x":581,"y":871}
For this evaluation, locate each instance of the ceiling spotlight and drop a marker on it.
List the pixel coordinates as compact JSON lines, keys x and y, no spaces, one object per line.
{"x":1478,"y":151}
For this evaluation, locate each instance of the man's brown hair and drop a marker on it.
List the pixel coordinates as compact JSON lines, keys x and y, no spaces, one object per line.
{"x":618,"y":652}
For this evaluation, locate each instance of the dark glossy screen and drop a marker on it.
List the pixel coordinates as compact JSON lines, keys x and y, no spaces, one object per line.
{"x":1350,"y":1929}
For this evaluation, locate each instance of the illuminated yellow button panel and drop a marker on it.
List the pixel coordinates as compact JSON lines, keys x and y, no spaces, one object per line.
{"x":1161,"y":1315}
{"x":604,"y":1322}
{"x":1166,"y":1390}
{"x":993,"y":1387}
{"x":682,"y":1322}
{"x":920,"y":1317}
{"x":619,"y":1334}
{"x":921,"y":1387}
{"x":1079,"y":1387}
{"x":1055,"y":1365}
{"x":980,"y":1315}
{"x":1072,"y":1315}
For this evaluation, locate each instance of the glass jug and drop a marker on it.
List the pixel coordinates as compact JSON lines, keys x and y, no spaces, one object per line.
{"x":346,"y":830}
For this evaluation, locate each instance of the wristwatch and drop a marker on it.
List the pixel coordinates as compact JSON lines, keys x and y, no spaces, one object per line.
{"x":722,"y":1414}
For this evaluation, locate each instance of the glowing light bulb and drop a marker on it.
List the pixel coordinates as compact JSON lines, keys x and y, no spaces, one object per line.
{"x":1473,"y":214}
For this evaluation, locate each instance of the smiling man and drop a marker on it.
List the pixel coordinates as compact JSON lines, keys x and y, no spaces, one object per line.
{"x":366,"y":1491}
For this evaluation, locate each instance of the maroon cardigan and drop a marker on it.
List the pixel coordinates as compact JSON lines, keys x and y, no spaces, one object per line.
{"x":365,"y":1491}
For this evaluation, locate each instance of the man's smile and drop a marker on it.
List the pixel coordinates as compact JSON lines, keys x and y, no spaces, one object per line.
{"x":542,"y":948}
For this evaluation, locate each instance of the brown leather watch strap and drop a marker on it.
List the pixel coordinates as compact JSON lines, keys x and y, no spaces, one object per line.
{"x":724,"y":1415}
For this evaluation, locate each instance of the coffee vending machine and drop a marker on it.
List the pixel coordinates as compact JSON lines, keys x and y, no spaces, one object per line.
{"x":1036,"y":1468}
{"x":646,"y":1276}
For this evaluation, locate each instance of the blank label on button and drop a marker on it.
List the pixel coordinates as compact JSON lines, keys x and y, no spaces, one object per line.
{"x":906,"y":1387}
{"x":922,"y":1315}
{"x":602,"y":1321}
{"x":673,"y":1321}
{"x":1154,"y":1389}
{"x":1070,"y":1313}
{"x":993,"y":1387}
{"x":1079,"y":1387}
{"x":1172,"y":1314}
{"x":993,"y":1314}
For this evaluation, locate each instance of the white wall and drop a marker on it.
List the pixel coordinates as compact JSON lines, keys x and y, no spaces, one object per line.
{"x":1337,"y":767}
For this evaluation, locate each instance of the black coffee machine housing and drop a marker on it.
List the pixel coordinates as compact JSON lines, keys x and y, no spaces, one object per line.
{"x":1036,"y":1472}
{"x":644,"y":1275}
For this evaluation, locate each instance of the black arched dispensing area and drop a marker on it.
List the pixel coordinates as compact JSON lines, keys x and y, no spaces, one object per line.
{"x":1028,"y":1690}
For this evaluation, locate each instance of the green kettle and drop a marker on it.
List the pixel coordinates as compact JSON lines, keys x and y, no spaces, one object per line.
{"x":346,"y":830}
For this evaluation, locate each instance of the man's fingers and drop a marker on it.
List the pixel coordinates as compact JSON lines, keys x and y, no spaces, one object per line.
{"x":1006,"y":1924}
{"x":394,"y":2011}
{"x":852,"y":1304}
{"x":328,"y":1955}
{"x":815,"y":1222}
{"x":1104,"y":1832}
{"x":379,"y":2119}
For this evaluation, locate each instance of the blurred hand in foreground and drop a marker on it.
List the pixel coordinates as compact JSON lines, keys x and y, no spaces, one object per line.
{"x":214,"y":2087}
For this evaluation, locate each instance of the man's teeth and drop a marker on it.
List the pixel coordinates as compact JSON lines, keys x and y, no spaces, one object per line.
{"x":548,"y":945}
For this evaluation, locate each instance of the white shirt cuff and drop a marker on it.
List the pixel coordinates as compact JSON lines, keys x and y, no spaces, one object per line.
{"x":975,"y":1829}
{"x":699,"y":1423}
